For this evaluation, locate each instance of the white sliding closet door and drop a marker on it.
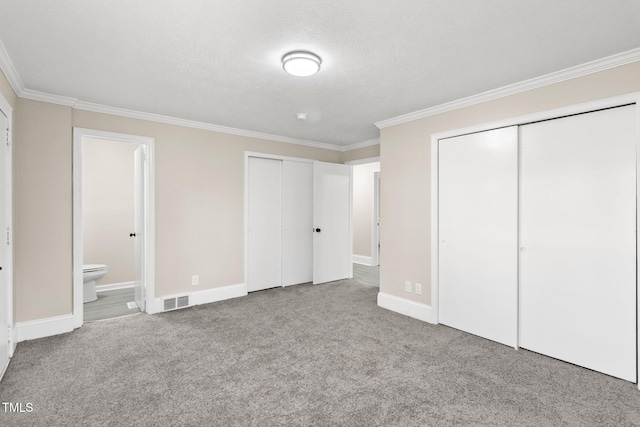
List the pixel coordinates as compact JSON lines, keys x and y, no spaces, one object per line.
{"x":264,"y":215}
{"x":478,"y":202}
{"x":297,"y":222}
{"x":578,"y":255}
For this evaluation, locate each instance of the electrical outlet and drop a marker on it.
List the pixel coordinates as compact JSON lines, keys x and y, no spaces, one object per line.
{"x":407,"y":286}
{"x":418,"y":288}
{"x":195,"y":280}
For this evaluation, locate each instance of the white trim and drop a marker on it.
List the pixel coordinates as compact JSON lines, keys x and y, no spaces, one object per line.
{"x":158,"y":118}
{"x":149,"y":269}
{"x":114,"y":286}
{"x":205,"y":296}
{"x":363,"y":161}
{"x":218,"y":294}
{"x":3,"y":369}
{"x":5,"y":108}
{"x":631,"y":98}
{"x":598,"y":104}
{"x":358,"y":145}
{"x":537,"y":82}
{"x":350,"y":219}
{"x":435,"y":231}
{"x":41,"y":328}
{"x":6,"y":64}
{"x":637,"y":244}
{"x":360,"y":259}
{"x":98,"y":108}
{"x":404,"y":306}
{"x":36,"y":95}
{"x":375,"y":229}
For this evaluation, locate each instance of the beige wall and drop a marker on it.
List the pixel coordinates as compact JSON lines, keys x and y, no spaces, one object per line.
{"x":7,"y":91}
{"x":361,"y":153}
{"x":199,"y":203}
{"x":42,"y":201}
{"x":405,"y":153}
{"x":363,"y":207}
{"x":108,"y":207}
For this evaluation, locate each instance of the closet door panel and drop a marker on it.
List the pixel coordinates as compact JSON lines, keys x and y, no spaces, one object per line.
{"x":578,"y":256}
{"x":297,"y":222}
{"x":264,"y":211}
{"x":478,"y":201}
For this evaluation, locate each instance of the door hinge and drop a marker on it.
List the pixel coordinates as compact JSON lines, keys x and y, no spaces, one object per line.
{"x":8,"y":236}
{"x":8,"y":140}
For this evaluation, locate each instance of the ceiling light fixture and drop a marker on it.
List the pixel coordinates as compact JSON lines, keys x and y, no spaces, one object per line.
{"x":301,"y":63}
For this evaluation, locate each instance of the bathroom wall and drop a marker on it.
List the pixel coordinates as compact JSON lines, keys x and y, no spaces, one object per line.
{"x":108,"y":208}
{"x":363,"y":207}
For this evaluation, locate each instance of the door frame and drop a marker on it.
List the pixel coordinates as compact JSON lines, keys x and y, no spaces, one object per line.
{"x":375,"y":226}
{"x":376,"y":208}
{"x":7,"y":110}
{"x":248,"y":154}
{"x":79,"y":134}
{"x":610,"y":102}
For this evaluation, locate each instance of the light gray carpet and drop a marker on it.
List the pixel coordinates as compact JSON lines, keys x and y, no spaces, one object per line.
{"x":305,"y":355}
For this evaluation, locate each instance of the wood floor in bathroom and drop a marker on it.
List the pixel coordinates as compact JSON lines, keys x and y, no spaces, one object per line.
{"x":110,"y":304}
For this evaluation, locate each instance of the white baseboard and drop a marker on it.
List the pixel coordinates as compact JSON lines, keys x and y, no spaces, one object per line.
{"x":206,"y":296}
{"x":3,"y":369}
{"x":41,"y":328}
{"x":359,"y":259}
{"x":114,"y":286}
{"x":14,"y":340}
{"x":218,"y":294}
{"x":404,"y":306}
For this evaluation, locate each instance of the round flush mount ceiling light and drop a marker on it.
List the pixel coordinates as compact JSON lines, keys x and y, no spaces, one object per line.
{"x":301,"y":63}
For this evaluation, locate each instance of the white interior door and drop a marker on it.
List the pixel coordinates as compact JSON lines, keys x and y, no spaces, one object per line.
{"x":139,"y":225}
{"x":578,"y":238}
{"x":332,"y":222}
{"x":478,"y":230}
{"x":264,"y":269}
{"x":4,"y":285}
{"x":297,"y":222}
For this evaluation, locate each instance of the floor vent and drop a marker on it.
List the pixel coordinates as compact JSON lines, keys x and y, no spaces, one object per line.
{"x":183,"y":301}
{"x":175,"y":303}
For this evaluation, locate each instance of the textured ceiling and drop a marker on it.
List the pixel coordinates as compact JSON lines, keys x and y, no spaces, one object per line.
{"x":218,"y":62}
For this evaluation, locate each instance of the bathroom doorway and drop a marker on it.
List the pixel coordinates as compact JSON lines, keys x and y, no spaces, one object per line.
{"x":113,"y":225}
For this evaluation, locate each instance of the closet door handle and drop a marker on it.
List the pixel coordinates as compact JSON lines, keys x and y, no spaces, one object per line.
{"x":132,"y":234}
{"x":317,"y":230}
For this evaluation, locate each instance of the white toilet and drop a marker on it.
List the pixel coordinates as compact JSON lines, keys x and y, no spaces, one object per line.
{"x":91,"y":273}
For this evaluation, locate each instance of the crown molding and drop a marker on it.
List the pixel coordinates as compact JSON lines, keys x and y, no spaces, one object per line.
{"x":6,"y":65}
{"x":47,"y":97}
{"x":122,"y":112}
{"x":363,"y":144}
{"x":512,"y":89}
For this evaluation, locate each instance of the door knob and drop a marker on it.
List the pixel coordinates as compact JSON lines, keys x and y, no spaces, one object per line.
{"x":132,"y":234}
{"x":318,"y":230}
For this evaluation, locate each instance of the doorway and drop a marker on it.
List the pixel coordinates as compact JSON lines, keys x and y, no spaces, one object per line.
{"x":113,"y":255}
{"x":366,"y":220}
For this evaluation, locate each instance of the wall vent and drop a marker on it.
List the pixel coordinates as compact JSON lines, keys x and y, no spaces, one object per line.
{"x":183,"y":301}
{"x":174,"y":303}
